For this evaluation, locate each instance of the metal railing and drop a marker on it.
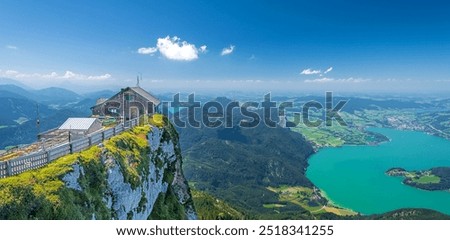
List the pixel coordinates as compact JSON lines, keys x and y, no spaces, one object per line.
{"x":41,"y":158}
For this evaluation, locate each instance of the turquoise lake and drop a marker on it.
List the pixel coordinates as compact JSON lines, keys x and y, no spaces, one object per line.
{"x":354,"y":176}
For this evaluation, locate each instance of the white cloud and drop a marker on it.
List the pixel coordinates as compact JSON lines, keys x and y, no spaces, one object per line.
{"x":51,"y":75}
{"x":319,"y":80}
{"x":11,"y":72}
{"x":332,"y":80}
{"x":68,"y":75}
{"x":328,"y":70}
{"x":202,"y":49}
{"x":174,"y":49}
{"x":228,"y":50}
{"x":100,"y":77}
{"x":146,"y":51}
{"x":12,"y":47}
{"x":310,"y":71}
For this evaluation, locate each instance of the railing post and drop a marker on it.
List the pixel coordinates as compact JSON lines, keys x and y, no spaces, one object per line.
{"x":8,"y":169}
{"x":48,"y":156}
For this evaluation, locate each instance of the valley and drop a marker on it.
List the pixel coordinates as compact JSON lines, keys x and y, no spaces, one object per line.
{"x":404,"y":115}
{"x":261,"y":172}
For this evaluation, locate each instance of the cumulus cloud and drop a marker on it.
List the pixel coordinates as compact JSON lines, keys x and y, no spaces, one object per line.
{"x":228,"y":50}
{"x":12,"y":47}
{"x":68,"y":75}
{"x":146,"y":51}
{"x":310,"y":71}
{"x":174,"y":49}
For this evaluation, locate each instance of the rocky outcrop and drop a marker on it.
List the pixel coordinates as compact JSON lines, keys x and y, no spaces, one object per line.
{"x":135,"y":175}
{"x":137,"y":202}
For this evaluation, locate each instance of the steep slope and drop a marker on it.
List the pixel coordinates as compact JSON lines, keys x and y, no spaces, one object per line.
{"x":135,"y":175}
{"x":238,"y":164}
{"x":211,"y":208}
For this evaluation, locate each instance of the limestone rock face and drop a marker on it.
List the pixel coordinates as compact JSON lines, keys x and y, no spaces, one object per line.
{"x":164,"y":173}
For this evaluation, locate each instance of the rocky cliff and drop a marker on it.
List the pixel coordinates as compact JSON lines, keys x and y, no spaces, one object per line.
{"x":135,"y":175}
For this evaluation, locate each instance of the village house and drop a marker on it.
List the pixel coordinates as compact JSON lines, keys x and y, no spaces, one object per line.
{"x":129,"y":103}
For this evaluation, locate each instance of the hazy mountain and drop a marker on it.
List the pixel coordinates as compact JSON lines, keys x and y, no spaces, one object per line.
{"x":8,"y":94}
{"x":99,"y":94}
{"x":356,"y":103}
{"x":19,"y":91}
{"x":9,"y":81}
{"x":58,"y":96}
{"x":53,"y":95}
{"x":19,"y":111}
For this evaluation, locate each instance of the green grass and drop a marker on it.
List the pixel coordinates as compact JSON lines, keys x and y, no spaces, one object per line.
{"x":157,"y":120}
{"x":427,"y":179}
{"x":210,"y":208}
{"x":273,"y":205}
{"x":41,"y":193}
{"x":131,"y":149}
{"x":313,"y":201}
{"x":320,"y":137}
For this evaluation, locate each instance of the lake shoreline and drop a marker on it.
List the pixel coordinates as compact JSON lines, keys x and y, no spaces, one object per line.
{"x":356,"y":173}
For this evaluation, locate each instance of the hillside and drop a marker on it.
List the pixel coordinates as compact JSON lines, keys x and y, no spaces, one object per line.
{"x":209,"y":207}
{"x":134,"y":175}
{"x":408,"y":214}
{"x":238,"y":164}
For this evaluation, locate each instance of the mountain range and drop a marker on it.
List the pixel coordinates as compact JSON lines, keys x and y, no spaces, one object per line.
{"x":21,"y":106}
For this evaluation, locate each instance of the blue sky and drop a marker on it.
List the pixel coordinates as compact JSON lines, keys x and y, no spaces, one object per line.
{"x":377,"y":46}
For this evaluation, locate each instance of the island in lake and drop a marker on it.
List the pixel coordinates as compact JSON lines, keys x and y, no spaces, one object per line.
{"x":432,"y":180}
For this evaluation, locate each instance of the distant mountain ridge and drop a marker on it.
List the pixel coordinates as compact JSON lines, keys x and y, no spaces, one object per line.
{"x":19,"y":106}
{"x":52,"y":95}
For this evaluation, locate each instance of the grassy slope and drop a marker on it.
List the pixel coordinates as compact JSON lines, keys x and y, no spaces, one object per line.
{"x":309,"y":199}
{"x":210,"y":208}
{"x":41,"y":193}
